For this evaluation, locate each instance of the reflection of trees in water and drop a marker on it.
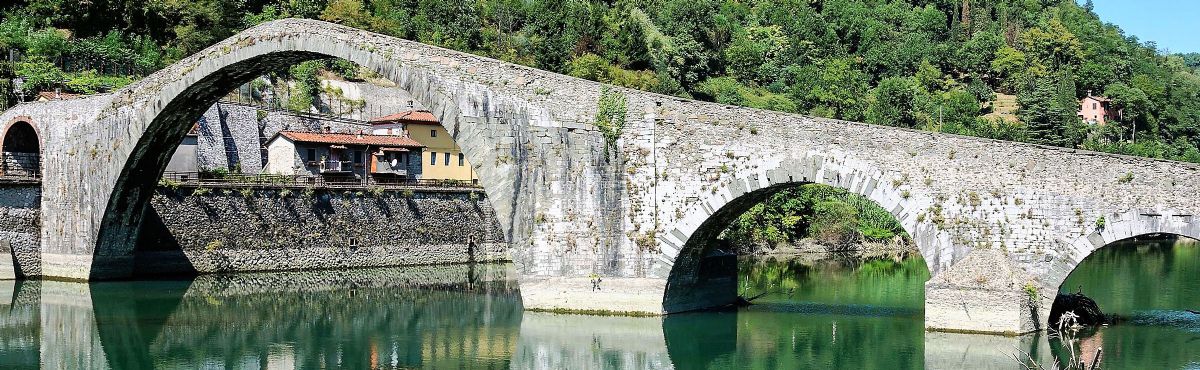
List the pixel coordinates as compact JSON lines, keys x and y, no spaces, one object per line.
{"x":841,"y":313}
{"x":750,"y":339}
{"x":1130,"y":276}
{"x":1149,"y":283}
{"x":884,"y":282}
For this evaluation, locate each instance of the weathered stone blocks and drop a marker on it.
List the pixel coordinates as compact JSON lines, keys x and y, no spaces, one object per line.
{"x":237,"y":229}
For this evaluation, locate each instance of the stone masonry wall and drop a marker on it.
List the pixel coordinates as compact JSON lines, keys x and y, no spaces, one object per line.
{"x":215,"y":229}
{"x":232,"y":135}
{"x":20,"y":227}
{"x":228,"y":136}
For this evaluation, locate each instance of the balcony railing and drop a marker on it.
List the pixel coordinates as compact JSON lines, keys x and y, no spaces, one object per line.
{"x":386,"y":168}
{"x":335,"y":166}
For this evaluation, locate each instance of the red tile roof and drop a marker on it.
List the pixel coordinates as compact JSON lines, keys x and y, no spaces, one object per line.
{"x":413,"y":116}
{"x":51,"y":95}
{"x":351,"y":139}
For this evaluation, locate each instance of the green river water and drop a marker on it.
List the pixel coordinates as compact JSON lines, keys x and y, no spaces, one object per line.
{"x":828,"y":314}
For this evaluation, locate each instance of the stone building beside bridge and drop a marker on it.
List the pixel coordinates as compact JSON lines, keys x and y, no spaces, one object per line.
{"x":236,"y":138}
{"x":381,"y":158}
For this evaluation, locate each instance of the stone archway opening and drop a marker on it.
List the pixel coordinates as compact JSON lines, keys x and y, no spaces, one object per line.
{"x":21,"y":151}
{"x":298,"y":157}
{"x":1148,"y":274}
{"x":765,"y":243}
{"x":1126,"y":293}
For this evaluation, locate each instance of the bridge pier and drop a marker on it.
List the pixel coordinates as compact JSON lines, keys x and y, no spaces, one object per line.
{"x":576,"y":294}
{"x":65,"y":266}
{"x":984,"y":293}
{"x":963,"y":309}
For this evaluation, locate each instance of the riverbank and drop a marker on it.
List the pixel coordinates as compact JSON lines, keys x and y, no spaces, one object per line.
{"x":811,"y":249}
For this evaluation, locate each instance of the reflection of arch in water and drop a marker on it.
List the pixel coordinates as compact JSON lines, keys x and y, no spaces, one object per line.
{"x":21,"y":148}
{"x":696,"y":340}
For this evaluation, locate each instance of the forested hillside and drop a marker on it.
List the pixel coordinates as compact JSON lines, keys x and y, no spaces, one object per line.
{"x":928,"y":64}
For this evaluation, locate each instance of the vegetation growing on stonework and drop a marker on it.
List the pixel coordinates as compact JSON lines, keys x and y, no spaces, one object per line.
{"x":831,"y":216}
{"x":610,"y":115}
{"x":201,"y":191}
{"x":169,"y":184}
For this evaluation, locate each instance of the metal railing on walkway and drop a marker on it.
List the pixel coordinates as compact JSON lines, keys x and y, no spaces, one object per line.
{"x":306,"y":181}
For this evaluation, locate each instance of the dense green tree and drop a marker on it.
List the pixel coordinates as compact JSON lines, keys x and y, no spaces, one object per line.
{"x":835,"y":88}
{"x":894,"y":103}
{"x":829,"y":215}
{"x":1050,"y":109}
{"x":755,"y":53}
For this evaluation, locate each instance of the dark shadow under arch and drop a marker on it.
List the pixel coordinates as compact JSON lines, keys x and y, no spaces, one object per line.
{"x":21,"y":150}
{"x":700,"y":279}
{"x":21,"y":137}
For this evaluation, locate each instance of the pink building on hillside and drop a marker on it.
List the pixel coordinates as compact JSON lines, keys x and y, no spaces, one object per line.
{"x":1097,"y":110}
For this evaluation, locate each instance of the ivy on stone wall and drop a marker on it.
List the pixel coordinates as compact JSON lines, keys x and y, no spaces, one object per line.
{"x":610,"y":115}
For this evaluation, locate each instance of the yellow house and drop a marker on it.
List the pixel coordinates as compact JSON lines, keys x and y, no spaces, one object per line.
{"x":442,"y":158}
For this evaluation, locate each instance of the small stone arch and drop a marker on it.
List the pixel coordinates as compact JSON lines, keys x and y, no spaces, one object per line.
{"x":1121,"y":226}
{"x":685,"y":246}
{"x":20,"y":148}
{"x":1117,"y":227}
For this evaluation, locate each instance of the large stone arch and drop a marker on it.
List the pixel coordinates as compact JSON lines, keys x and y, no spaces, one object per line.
{"x":687,"y":242}
{"x":147,"y":120}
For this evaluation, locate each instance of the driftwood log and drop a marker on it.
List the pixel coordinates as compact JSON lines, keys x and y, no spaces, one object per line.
{"x":1088,"y":311}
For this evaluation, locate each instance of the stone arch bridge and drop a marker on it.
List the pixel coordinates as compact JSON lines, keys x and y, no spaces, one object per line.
{"x":1000,"y":224}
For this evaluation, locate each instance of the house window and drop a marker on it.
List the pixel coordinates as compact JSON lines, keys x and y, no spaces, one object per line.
{"x":1093,"y":106}
{"x":432,"y":158}
{"x":460,"y":159}
{"x":357,"y":156}
{"x":432,"y":133}
{"x":447,"y":156}
{"x":312,"y":154}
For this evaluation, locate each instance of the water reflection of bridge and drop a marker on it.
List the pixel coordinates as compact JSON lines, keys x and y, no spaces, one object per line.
{"x":471,"y":317}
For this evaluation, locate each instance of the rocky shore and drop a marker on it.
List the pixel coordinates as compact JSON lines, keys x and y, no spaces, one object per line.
{"x":897,"y":246}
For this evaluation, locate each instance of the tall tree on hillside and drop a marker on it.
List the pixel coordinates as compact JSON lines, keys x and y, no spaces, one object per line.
{"x":1050,"y":109}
